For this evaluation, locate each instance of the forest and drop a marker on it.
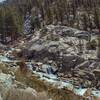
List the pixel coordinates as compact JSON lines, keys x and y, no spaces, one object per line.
{"x":80,"y":14}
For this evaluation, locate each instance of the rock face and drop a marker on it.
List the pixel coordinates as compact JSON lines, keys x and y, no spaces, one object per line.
{"x":67,"y":47}
{"x":57,"y":41}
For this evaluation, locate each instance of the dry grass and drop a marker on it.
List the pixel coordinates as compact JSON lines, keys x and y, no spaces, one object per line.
{"x":21,"y":94}
{"x":32,"y":81}
{"x":6,"y":69}
{"x":53,"y":92}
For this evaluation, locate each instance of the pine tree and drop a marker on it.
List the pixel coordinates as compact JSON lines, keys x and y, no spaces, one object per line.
{"x":2,"y":24}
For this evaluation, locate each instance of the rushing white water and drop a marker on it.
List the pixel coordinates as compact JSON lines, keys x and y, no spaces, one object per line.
{"x":80,"y":91}
{"x":96,"y":93}
{"x":52,"y":79}
{"x":4,"y":59}
{"x":2,"y":0}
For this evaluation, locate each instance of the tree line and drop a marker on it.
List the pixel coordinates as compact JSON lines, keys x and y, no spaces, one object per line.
{"x":81,"y":14}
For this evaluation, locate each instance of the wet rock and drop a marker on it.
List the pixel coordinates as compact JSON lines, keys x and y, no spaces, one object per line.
{"x":48,"y":69}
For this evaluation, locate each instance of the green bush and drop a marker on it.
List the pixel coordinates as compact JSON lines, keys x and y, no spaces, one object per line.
{"x":91,"y":45}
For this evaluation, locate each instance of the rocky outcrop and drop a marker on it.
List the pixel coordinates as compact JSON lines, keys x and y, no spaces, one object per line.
{"x":66,"y":48}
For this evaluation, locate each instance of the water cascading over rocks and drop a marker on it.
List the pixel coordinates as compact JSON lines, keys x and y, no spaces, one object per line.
{"x":27,"y":24}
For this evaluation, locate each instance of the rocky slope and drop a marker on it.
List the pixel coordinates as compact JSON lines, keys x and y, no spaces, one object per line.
{"x":59,"y":56}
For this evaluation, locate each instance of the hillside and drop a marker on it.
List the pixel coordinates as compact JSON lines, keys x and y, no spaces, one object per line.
{"x":50,"y":50}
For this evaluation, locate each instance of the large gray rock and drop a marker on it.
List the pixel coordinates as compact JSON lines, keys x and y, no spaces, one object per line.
{"x":70,"y":62}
